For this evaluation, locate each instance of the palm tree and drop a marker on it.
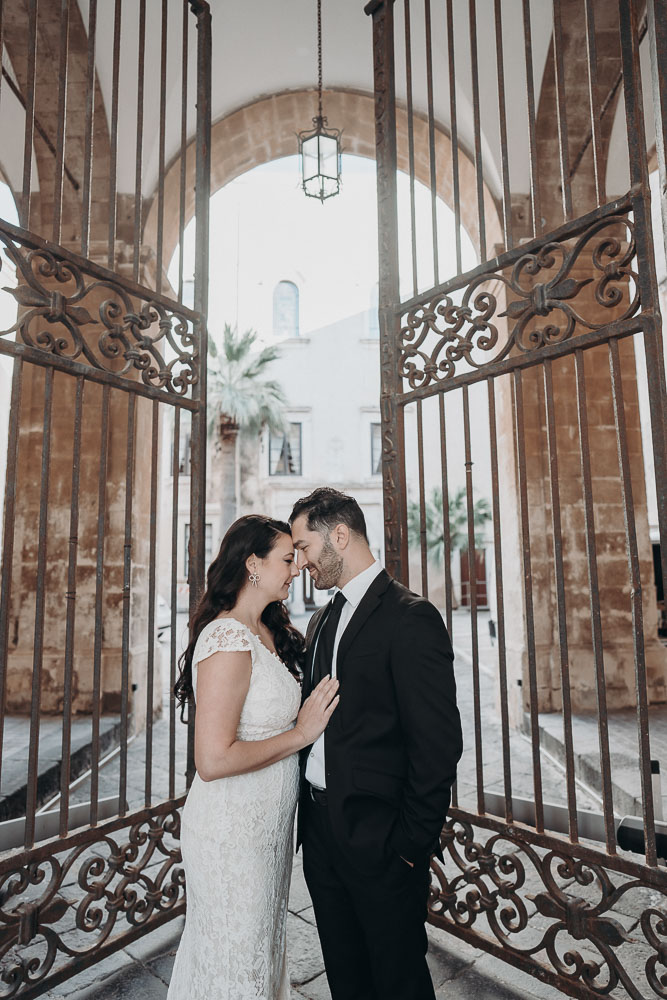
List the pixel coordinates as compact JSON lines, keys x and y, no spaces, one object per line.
{"x":458,"y":523}
{"x":241,"y":399}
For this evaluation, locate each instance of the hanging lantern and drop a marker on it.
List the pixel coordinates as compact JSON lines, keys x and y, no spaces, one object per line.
{"x":319,"y":147}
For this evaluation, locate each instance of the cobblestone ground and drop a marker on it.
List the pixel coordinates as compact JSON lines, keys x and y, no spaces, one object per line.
{"x":142,"y":969}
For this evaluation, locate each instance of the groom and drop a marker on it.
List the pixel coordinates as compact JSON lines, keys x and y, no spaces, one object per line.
{"x":376,"y":785}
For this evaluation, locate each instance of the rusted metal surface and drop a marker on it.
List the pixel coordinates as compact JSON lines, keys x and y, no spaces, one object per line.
{"x":392,"y":438}
{"x":107,"y":361}
{"x":534,"y":332}
{"x":495,"y":875}
{"x":121,"y":882}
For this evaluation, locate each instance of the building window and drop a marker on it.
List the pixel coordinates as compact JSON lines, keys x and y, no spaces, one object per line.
{"x":208,"y":548}
{"x":286,"y":309}
{"x":285,"y":452}
{"x":376,"y":449}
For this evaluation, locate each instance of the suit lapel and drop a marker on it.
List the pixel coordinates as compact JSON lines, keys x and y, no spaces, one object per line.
{"x":365,"y":608}
{"x":312,"y":632}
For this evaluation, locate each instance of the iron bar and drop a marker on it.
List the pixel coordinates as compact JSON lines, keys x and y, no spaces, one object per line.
{"x":500,"y":601}
{"x":591,"y":61}
{"x":198,"y":424}
{"x":535,"y":201}
{"x":152,"y":558}
{"x":423,"y":539}
{"x":70,"y":597}
{"x":138,"y":192}
{"x":59,"y":175}
{"x":40,"y":599}
{"x":127,"y":587}
{"x":656,"y":13}
{"x":113,"y":139}
{"x":99,"y":607}
{"x":552,"y":445}
{"x":561,"y":113}
{"x":184,"y":148}
{"x":636,"y":602}
{"x":472,"y":573}
{"x":411,"y":146}
{"x":175,"y":470}
{"x":502,"y":124}
{"x":528,"y":597}
{"x":445,"y":513}
{"x":594,"y":597}
{"x":8,"y":539}
{"x":479,"y":166}
{"x":161,"y":149}
{"x":446,"y":531}
{"x":392,"y":443}
{"x":646,"y":277}
{"x":433,"y":184}
{"x":2,"y":43}
{"x":29,"y":135}
{"x":88,"y":140}
{"x":453,"y":125}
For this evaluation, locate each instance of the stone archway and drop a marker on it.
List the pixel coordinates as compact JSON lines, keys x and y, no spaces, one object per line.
{"x":266,"y":130}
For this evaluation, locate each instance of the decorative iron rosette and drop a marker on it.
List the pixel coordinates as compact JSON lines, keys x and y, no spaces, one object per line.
{"x":538,"y":299}
{"x":560,"y":917}
{"x":65,"y":905}
{"x":67,"y":312}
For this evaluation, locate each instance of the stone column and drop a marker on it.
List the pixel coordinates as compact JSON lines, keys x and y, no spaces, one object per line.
{"x":24,"y":578}
{"x":612,"y":562}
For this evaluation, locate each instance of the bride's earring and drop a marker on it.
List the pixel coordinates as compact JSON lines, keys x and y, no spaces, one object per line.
{"x":254,"y":578}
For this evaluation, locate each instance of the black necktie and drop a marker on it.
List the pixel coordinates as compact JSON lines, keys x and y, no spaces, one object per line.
{"x":322,"y":664}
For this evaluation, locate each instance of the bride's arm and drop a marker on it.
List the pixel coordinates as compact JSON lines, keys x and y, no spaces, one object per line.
{"x":223,"y":680}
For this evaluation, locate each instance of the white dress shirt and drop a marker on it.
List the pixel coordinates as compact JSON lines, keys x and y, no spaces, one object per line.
{"x":353,"y":591}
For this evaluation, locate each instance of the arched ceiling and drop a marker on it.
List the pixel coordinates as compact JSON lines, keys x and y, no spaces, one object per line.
{"x":262,"y":47}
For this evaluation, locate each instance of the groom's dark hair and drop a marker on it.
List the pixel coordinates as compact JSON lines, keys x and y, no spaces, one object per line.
{"x":325,"y":508}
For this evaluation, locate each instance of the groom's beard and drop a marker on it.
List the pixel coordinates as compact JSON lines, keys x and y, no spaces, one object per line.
{"x":328,"y":568}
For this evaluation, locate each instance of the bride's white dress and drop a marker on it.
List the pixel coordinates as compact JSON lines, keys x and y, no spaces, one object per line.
{"x":236,"y":839}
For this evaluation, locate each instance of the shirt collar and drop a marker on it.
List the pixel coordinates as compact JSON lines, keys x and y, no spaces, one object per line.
{"x":354,"y":589}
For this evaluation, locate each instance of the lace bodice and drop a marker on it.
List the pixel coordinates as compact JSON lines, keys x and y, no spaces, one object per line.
{"x":274,"y":695}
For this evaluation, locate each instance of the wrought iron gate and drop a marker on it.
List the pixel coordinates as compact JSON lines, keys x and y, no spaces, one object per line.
{"x":524,"y":372}
{"x":105,"y":458}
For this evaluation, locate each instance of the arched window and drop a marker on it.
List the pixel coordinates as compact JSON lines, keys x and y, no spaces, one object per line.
{"x":286,"y":309}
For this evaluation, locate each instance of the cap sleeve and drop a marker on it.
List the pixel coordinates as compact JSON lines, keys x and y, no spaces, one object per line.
{"x":227,"y":636}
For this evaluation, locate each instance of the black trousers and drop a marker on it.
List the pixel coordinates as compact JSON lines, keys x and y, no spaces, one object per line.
{"x":371,"y":926}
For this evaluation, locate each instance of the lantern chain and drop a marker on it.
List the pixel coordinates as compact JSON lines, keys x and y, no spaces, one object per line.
{"x":319,"y":56}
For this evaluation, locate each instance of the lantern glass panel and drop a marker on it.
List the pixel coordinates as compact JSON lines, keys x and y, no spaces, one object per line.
{"x":310,"y":158}
{"x":328,"y":156}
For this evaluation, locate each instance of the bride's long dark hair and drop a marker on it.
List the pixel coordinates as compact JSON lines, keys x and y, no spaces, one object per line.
{"x":253,"y":534}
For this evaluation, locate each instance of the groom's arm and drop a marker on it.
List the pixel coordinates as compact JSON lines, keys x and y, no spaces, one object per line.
{"x":422,"y":667}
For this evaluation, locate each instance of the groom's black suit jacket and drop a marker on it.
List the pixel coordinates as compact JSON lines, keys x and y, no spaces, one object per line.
{"x":393,"y":742}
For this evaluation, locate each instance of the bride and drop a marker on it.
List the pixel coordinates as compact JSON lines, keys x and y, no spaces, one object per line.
{"x":242,"y":666}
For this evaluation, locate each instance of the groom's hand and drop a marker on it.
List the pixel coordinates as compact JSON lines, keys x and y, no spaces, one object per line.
{"x":411,"y":863}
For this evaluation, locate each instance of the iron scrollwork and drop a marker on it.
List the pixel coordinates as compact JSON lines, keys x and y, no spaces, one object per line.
{"x":558,"y":915}
{"x":56,"y":909}
{"x":74,"y":315}
{"x":539,"y":298}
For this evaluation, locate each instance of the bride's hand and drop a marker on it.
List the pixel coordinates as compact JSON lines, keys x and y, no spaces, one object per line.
{"x":317,"y":710}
